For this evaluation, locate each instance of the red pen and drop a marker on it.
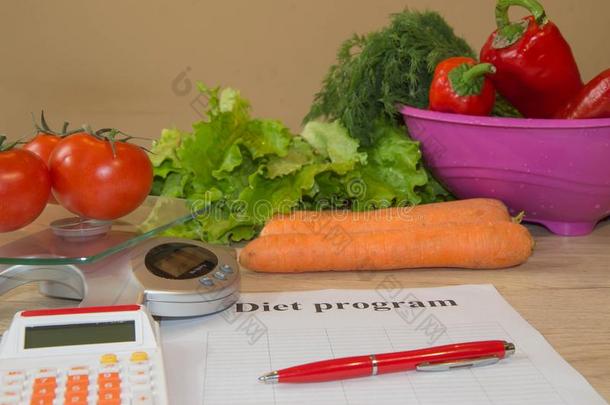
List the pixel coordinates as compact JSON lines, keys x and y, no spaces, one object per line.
{"x":440,"y":358}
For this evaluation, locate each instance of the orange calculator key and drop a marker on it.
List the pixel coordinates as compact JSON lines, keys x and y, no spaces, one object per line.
{"x":42,"y":400}
{"x":45,"y":382}
{"x":109,"y":402}
{"x":75,"y":398}
{"x":80,"y":388}
{"x":109,"y":398}
{"x":109,"y":395}
{"x":108,"y":377}
{"x":77,"y":379}
{"x":109,"y":386}
{"x":43,"y":392}
{"x":77,"y":387}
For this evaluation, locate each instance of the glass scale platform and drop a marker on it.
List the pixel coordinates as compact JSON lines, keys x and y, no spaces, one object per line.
{"x":57,"y":237}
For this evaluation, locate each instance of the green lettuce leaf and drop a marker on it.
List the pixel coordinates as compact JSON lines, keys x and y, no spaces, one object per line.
{"x":299,"y":154}
{"x":394,"y":170}
{"x":243,"y":170}
{"x":331,"y":141}
{"x":165,"y":148}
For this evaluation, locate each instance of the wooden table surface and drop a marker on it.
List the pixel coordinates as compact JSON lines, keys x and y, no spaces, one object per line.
{"x":563,"y":291}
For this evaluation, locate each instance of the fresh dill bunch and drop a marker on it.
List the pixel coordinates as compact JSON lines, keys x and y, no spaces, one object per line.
{"x":381,"y":70}
{"x":502,"y":108}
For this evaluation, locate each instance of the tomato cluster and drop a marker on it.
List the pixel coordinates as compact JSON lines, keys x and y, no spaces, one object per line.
{"x":25,"y":185}
{"x":94,"y":175}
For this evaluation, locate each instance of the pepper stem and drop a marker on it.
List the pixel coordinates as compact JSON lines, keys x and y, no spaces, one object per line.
{"x":502,"y":19}
{"x":467,"y":80}
{"x":479,"y":70}
{"x":509,"y":33}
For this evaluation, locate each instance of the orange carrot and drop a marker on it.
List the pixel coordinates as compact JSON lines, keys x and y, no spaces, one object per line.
{"x":476,"y":245}
{"x":402,"y":218}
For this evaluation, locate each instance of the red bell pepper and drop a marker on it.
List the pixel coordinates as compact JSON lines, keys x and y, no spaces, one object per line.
{"x":593,"y":101}
{"x":459,"y":86}
{"x":537,"y":72}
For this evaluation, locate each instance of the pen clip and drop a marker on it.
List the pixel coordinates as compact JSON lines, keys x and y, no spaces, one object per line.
{"x":448,"y":365}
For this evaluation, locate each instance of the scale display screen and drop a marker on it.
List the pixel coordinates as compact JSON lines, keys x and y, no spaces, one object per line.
{"x":79,"y":334}
{"x":180,"y":261}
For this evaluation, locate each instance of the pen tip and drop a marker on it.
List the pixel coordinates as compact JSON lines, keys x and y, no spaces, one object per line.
{"x":509,"y":349}
{"x":271,"y":377}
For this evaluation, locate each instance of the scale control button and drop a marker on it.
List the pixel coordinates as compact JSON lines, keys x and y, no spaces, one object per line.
{"x":206,"y":281}
{"x":225,"y":268}
{"x":220,"y":275}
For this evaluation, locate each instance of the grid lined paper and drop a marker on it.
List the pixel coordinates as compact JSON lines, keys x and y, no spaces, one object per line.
{"x":236,"y":366}
{"x":217,"y":360}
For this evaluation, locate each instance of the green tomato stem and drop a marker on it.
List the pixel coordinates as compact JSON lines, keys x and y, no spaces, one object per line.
{"x":6,"y":147}
{"x":43,"y":122}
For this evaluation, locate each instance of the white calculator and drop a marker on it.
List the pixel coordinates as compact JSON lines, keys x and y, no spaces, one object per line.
{"x":82,"y":356}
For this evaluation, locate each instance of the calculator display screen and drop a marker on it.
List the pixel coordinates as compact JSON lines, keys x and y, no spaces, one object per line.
{"x":79,"y":334}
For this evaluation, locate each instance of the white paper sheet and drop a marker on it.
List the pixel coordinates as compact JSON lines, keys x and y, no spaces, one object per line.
{"x":216,"y":360}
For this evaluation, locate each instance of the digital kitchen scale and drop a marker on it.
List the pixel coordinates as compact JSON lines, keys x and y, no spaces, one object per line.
{"x":121,"y":263}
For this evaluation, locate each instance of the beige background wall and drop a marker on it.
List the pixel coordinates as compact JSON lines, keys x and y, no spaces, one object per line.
{"x":117,"y":63}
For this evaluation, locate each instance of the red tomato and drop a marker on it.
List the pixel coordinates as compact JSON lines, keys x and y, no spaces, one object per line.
{"x":42,"y":145}
{"x":25,"y":186}
{"x":93,"y":182}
